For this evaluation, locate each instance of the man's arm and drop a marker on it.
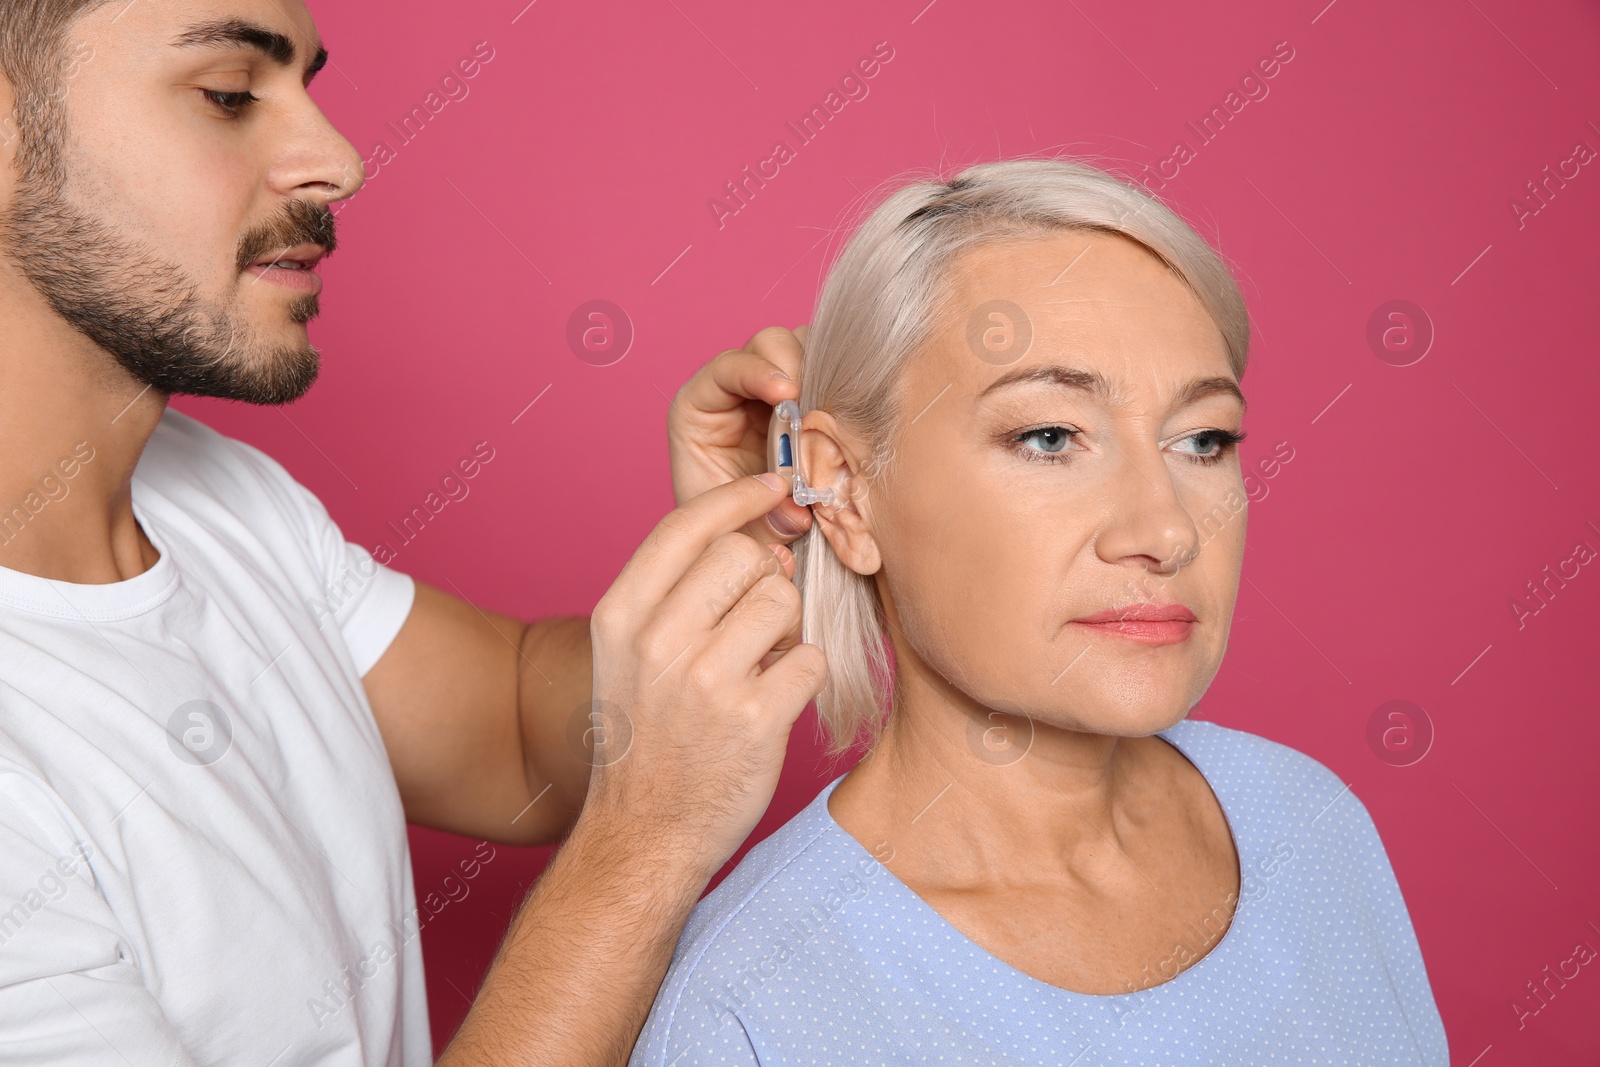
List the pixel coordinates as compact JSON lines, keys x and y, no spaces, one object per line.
{"x":477,"y":709}
{"x":697,"y":670}
{"x":696,"y":741}
{"x":474,"y":708}
{"x":576,"y":975}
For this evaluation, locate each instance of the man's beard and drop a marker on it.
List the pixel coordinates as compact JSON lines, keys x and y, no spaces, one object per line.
{"x":148,"y":315}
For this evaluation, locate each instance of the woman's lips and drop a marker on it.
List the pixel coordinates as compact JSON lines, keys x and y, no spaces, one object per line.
{"x":1149,"y":623}
{"x":1145,"y":631}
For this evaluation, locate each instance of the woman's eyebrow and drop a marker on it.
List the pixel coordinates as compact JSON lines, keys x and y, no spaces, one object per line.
{"x":239,"y":33}
{"x":1095,"y":383}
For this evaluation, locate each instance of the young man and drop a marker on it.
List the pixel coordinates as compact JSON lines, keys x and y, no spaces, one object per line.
{"x":216,"y":715}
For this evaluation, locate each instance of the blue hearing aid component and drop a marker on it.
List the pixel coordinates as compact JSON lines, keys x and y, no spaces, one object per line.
{"x":783,"y":452}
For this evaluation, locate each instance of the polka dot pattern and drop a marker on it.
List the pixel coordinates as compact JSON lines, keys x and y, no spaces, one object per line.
{"x":812,"y":952}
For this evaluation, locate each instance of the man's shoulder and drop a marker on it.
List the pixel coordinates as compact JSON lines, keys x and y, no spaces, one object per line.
{"x":185,"y":452}
{"x":211,"y":478}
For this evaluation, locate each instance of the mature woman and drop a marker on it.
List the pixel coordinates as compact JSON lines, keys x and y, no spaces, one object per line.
{"x":1023,"y":389}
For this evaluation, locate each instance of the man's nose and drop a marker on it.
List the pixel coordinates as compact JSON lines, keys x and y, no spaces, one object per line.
{"x":319,"y":163}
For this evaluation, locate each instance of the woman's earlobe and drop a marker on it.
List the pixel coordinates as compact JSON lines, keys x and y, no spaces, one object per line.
{"x":848,"y":534}
{"x":866,"y":561}
{"x":841,"y":515}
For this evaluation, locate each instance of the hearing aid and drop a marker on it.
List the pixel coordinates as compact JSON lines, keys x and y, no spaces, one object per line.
{"x":783,"y":454}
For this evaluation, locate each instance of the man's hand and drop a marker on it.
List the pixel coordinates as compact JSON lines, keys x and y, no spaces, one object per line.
{"x":717,"y":428}
{"x":697,"y":664}
{"x":698,"y":679}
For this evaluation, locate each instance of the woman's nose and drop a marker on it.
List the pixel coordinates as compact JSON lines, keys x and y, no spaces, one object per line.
{"x":1148,"y":518}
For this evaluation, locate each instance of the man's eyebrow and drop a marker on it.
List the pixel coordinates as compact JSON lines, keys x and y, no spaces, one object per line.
{"x":1094,"y":382}
{"x":239,"y":33}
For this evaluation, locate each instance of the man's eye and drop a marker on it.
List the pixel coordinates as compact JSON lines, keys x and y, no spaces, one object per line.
{"x":232,"y":103}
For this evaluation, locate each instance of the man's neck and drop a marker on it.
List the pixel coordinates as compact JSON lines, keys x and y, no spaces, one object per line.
{"x":62,"y":399}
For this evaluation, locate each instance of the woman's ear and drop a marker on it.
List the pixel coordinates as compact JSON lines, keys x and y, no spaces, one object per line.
{"x":831,"y":458}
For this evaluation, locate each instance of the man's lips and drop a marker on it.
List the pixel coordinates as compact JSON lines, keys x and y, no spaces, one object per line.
{"x":292,"y":268}
{"x":305,"y":256}
{"x":1148,"y":623}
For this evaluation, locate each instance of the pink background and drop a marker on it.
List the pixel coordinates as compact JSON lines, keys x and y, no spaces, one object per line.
{"x":1385,"y":556}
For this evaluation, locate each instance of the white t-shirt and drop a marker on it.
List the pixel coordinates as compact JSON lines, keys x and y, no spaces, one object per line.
{"x":203,"y":856}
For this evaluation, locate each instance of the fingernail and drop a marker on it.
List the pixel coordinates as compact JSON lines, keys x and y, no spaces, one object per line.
{"x":774,"y":482}
{"x":780,"y":376}
{"x":782,"y":524}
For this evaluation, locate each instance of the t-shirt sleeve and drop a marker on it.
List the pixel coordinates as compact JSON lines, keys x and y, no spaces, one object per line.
{"x":71,"y":992}
{"x":370,"y":602}
{"x":367,"y":601}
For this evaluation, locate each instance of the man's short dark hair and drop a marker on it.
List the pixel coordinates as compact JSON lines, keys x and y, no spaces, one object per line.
{"x":35,"y":60}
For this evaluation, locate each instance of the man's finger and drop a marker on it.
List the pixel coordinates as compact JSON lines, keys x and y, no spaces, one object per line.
{"x":783,"y":644}
{"x":717,"y":582}
{"x":794,"y":681}
{"x":738,"y":375}
{"x":686,"y":532}
{"x":779,"y":346}
{"x":766,"y":619}
{"x":784,"y":524}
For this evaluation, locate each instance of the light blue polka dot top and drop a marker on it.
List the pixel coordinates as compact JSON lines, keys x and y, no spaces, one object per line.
{"x":812,"y":952}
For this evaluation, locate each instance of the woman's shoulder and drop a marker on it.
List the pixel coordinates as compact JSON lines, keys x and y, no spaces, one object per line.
{"x":1273,"y":789}
{"x":783,"y":913}
{"x":1225,"y":751}
{"x":782,"y":877}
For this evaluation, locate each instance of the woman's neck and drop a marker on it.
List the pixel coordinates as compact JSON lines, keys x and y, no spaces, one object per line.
{"x":1078,"y":858}
{"x":966,"y":796}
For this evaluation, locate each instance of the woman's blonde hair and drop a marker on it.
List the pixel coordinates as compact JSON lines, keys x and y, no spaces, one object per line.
{"x":884,"y":296}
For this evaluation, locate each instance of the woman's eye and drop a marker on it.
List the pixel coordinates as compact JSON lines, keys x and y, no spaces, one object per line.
{"x":1046,"y":438}
{"x":1213,"y":444}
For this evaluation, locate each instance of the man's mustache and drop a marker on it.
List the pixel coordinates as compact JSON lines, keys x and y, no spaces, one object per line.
{"x":303,"y":222}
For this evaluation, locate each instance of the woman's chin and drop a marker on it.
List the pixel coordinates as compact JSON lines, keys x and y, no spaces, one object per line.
{"x":1136,"y":712}
{"x":1118,"y":722}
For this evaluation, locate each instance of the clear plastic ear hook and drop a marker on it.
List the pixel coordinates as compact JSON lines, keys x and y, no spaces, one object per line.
{"x":783,"y":454}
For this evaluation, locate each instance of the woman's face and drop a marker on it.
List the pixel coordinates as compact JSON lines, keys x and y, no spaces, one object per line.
{"x":1064,"y":447}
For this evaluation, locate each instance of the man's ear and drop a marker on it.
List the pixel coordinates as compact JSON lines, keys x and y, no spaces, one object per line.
{"x":831,"y":458}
